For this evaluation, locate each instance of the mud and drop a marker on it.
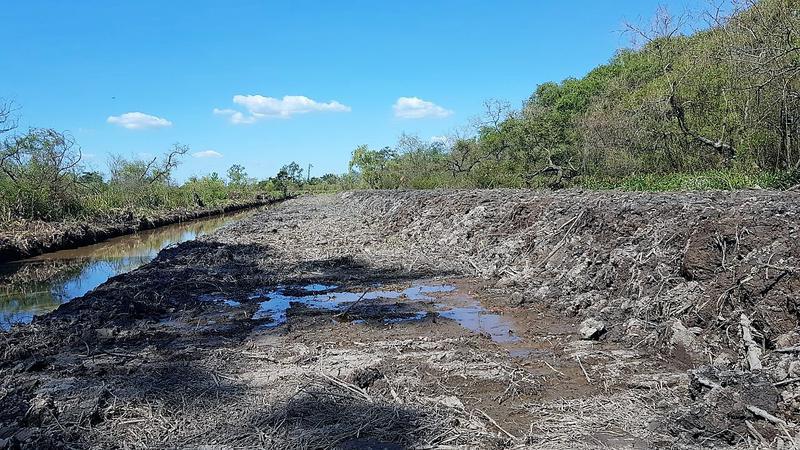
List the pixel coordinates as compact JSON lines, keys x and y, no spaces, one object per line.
{"x":189,"y":350}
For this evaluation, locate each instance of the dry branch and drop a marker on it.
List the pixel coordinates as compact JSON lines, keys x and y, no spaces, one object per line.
{"x":752,"y":349}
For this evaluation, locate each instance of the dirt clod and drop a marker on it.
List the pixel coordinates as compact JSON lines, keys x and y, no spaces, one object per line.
{"x":721,"y":398}
{"x":591,"y":328}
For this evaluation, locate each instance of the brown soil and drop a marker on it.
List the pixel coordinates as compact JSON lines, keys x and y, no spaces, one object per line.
{"x":25,"y":238}
{"x":155,"y":358}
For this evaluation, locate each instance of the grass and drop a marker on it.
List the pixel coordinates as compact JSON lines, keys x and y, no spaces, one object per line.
{"x":108,"y":199}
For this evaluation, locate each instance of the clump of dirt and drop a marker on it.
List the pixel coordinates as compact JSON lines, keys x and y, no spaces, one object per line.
{"x":723,"y":405}
{"x":668,"y":276}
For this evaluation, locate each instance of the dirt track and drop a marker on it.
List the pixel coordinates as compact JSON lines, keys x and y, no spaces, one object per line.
{"x":170,"y":355}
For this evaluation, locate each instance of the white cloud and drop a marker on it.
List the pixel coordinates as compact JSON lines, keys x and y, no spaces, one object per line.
{"x":259,"y":107}
{"x":235,"y":116}
{"x":417,"y":108}
{"x":440,"y":139}
{"x":138,"y":121}
{"x":207,"y":154}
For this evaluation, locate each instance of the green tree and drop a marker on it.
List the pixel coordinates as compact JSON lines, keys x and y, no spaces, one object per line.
{"x":371,"y":165}
{"x":294,"y":172}
{"x":237,"y":175}
{"x":289,"y":176}
{"x":39,"y":174}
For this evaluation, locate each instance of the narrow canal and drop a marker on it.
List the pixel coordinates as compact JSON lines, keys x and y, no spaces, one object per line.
{"x":38,"y":285}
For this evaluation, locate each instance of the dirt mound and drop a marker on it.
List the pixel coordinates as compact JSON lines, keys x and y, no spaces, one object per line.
{"x":702,"y":258}
{"x":672,"y":271}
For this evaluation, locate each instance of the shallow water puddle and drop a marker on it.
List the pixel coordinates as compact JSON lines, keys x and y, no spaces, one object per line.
{"x":478,"y":320}
{"x":442,"y":300}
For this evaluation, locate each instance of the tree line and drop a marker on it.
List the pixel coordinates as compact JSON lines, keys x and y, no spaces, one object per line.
{"x":719,"y":104}
{"x":42,"y":177}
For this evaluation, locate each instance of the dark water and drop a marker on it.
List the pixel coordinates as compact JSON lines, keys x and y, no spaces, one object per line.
{"x":38,"y":285}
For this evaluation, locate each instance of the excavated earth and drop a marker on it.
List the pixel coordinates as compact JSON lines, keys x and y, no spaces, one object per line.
{"x":434,"y":319}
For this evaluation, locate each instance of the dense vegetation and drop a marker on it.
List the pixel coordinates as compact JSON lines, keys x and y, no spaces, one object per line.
{"x":716,"y":108}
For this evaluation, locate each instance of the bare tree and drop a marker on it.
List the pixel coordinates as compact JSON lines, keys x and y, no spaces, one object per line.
{"x":156,"y":170}
{"x":8,"y":121}
{"x":496,"y":113}
{"x":483,"y":140}
{"x":161,"y":170}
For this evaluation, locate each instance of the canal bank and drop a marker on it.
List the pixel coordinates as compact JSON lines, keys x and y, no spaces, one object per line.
{"x":431,"y":319}
{"x":26,"y":239}
{"x":38,"y":285}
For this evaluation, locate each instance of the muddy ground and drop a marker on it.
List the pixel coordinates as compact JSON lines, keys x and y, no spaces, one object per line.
{"x":445,"y":319}
{"x":26,"y":238}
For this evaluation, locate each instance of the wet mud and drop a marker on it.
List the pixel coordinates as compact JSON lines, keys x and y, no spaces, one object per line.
{"x":37,"y":285}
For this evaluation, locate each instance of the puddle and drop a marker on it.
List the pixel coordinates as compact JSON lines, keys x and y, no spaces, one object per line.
{"x":49,"y":280}
{"x":478,"y":320}
{"x":319,"y":287}
{"x":415,"y":303}
{"x":324,"y":297}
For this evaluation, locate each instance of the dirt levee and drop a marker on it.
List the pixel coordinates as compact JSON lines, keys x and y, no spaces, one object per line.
{"x":696,"y":257}
{"x":26,"y":238}
{"x":434,"y":319}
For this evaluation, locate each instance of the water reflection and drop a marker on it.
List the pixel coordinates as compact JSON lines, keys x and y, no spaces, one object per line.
{"x":445,"y":300}
{"x":38,"y":285}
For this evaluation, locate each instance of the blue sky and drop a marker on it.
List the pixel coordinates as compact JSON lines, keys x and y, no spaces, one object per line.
{"x":215,"y":75}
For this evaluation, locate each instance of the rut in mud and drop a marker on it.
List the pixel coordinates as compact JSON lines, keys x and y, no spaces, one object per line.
{"x":449,"y":318}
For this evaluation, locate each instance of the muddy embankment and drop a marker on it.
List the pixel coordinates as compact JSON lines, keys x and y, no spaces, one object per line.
{"x":31,"y":238}
{"x":444,"y":319}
